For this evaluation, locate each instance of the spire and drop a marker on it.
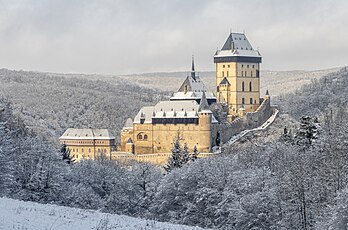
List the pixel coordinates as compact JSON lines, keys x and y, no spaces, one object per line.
{"x":193,"y":73}
{"x":203,"y":105}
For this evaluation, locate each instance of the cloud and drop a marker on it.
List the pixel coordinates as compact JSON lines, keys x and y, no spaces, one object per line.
{"x":119,"y":37}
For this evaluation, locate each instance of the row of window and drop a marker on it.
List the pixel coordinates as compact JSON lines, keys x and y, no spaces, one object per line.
{"x":89,"y":150}
{"x":244,"y":74}
{"x":228,"y":66}
{"x":141,"y":137}
{"x":85,"y":142}
{"x":250,"y":102}
{"x":250,"y":86}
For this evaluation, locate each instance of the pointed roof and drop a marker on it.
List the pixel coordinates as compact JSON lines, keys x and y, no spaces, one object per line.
{"x":224,"y":82}
{"x":128,"y":123}
{"x":237,"y":47}
{"x":203,"y":105}
{"x":192,"y":88}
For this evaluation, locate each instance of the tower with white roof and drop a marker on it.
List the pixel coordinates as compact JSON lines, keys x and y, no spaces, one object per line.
{"x":238,"y":75}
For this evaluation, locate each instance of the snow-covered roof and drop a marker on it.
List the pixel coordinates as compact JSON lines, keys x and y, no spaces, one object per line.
{"x":169,"y":109}
{"x":194,"y":90}
{"x":86,"y":134}
{"x":237,"y":45}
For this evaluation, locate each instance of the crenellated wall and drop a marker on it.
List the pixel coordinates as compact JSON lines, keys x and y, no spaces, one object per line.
{"x":250,"y":121}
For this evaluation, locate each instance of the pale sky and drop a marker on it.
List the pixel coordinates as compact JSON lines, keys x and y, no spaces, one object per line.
{"x":137,"y":36}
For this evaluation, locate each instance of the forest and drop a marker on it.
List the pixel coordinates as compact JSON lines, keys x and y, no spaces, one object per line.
{"x":293,"y":176}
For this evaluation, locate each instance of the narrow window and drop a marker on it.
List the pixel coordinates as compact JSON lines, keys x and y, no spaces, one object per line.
{"x":223,"y":66}
{"x":251,"y":73}
{"x":250,"y":88}
{"x":139,"y":137}
{"x":243,"y":87}
{"x":223,"y":74}
{"x":251,"y":101}
{"x":145,"y":137}
{"x":227,"y":73}
{"x":243,"y":101}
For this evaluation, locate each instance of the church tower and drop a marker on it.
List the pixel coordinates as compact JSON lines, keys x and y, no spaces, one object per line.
{"x":238,"y":75}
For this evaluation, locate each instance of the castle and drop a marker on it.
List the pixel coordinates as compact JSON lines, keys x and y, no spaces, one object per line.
{"x":188,"y":114}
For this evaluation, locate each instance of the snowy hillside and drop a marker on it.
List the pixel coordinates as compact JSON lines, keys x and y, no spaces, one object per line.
{"x":20,"y":215}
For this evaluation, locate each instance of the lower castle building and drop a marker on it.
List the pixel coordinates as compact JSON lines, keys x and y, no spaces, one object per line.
{"x":88,"y":143}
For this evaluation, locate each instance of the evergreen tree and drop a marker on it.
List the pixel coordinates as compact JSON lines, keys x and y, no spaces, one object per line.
{"x":65,"y":152}
{"x":194,"y":154}
{"x":175,"y":160}
{"x":185,"y":154}
{"x":307,"y":132}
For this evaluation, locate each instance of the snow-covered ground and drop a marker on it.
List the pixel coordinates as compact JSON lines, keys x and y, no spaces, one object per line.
{"x":20,"y":215}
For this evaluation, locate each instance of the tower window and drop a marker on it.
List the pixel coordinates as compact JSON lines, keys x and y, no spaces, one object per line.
{"x":139,"y":137}
{"x":247,"y":66}
{"x":223,"y":74}
{"x":227,"y":73}
{"x":253,"y":66}
{"x":251,"y":101}
{"x":145,"y":137}
{"x":223,"y":66}
{"x":242,"y":66}
{"x":242,"y":73}
{"x":228,"y":66}
{"x":250,"y":88}
{"x":251,"y":73}
{"x":243,"y":101}
{"x":243,"y":86}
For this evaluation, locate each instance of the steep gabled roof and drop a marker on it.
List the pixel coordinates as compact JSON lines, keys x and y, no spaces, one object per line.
{"x":224,"y":82}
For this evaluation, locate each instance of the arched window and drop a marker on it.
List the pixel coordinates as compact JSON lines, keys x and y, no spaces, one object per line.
{"x":250,"y":87}
{"x":243,"y":86}
{"x":145,"y":137}
{"x":140,"y":137}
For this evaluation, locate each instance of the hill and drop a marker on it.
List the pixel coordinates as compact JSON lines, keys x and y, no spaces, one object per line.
{"x":51,"y":103}
{"x":16,"y":214}
{"x":276,"y":82}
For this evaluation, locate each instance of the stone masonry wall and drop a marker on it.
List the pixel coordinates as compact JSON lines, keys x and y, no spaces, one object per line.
{"x":250,"y":121}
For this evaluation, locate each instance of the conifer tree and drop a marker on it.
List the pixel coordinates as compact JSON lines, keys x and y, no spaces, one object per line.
{"x":185,"y":154}
{"x":175,"y":160}
{"x":65,"y":152}
{"x":194,"y":154}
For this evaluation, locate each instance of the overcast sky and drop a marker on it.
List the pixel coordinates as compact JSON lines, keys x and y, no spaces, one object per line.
{"x":123,"y":37}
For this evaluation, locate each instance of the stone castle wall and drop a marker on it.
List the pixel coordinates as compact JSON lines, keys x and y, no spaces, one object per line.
{"x":250,"y":121}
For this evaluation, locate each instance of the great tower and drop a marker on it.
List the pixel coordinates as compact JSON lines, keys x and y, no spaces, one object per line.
{"x":238,"y":75}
